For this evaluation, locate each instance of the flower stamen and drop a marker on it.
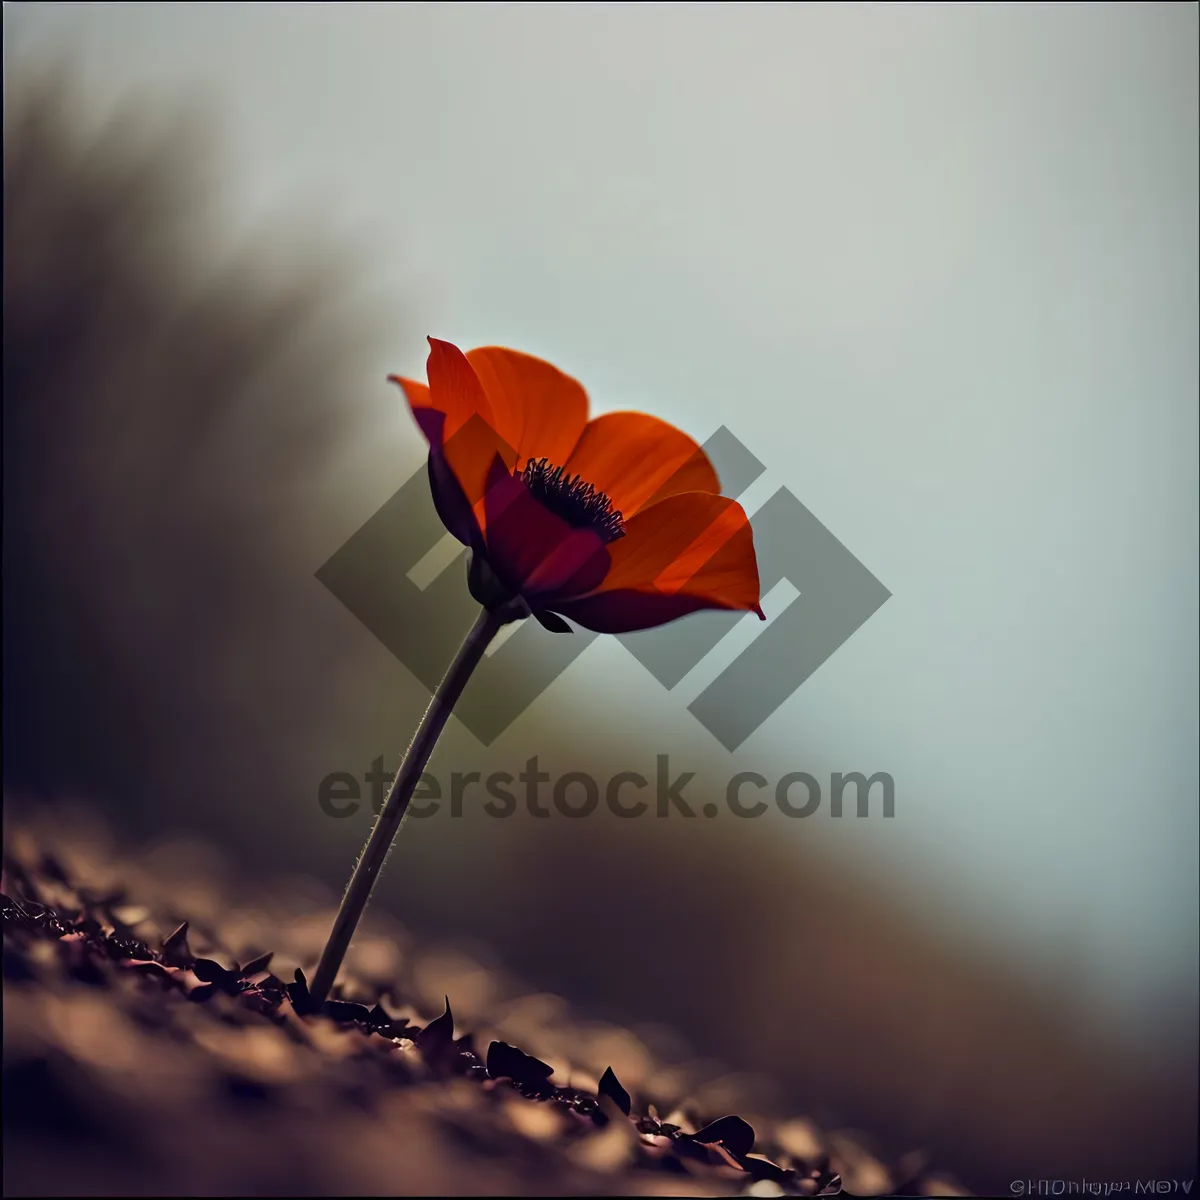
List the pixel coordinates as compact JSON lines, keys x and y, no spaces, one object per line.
{"x":567,"y":496}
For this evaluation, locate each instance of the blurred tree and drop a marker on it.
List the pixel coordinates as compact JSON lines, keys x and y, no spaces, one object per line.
{"x":168,"y":410}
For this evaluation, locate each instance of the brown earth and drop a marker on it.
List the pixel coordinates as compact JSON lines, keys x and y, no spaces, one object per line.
{"x":144,"y":1055}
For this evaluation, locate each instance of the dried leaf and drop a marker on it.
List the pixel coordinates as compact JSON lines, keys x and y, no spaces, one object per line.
{"x":298,"y":994}
{"x":507,"y":1062}
{"x":257,"y":965}
{"x":732,"y":1132}
{"x":610,"y":1086}
{"x":437,"y":1038}
{"x":345,"y":1010}
{"x":176,"y":950}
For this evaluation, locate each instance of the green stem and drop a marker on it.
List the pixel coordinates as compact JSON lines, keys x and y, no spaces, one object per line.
{"x":395,"y":806}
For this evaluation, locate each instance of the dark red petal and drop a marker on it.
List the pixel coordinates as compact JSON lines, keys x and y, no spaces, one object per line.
{"x":626,"y":611}
{"x":534,"y":551}
{"x":448,"y":497}
{"x":470,"y":455}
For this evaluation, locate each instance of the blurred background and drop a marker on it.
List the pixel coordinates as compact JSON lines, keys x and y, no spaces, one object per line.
{"x":936,"y":266}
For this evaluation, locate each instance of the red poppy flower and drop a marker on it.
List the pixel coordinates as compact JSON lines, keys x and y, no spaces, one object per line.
{"x":617,"y":523}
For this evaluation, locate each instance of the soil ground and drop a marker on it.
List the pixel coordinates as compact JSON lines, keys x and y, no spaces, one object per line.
{"x":159,"y":1040}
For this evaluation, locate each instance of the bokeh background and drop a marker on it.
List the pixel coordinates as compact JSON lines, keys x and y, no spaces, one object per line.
{"x":936,"y":266}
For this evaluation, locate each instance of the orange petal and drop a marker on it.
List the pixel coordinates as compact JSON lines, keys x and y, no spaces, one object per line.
{"x":431,"y":421}
{"x":456,"y":417}
{"x":454,"y":388}
{"x":458,"y":468}
{"x":470,"y":454}
{"x":538,"y":410}
{"x":694,"y":544}
{"x":416,"y":393}
{"x":638,"y":460}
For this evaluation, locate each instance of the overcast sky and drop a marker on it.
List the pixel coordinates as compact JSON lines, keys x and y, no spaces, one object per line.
{"x":936,"y":266}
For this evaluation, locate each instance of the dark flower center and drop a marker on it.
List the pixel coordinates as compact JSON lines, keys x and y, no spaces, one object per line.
{"x":569,"y":497}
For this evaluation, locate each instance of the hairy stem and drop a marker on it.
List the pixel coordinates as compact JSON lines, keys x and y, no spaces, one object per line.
{"x":395,"y":806}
